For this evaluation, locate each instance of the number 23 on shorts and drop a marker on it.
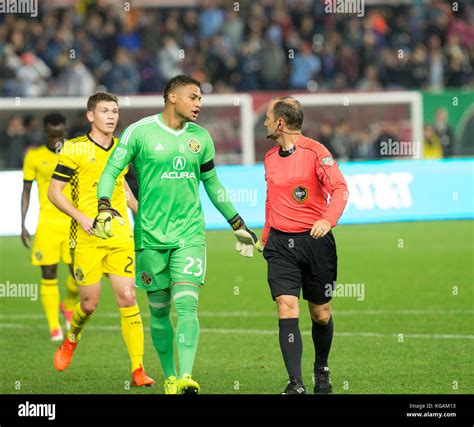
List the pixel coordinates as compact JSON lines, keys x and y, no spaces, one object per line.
{"x":194,"y":266}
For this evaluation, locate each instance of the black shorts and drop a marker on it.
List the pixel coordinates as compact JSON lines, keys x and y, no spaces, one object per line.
{"x":297,"y":260}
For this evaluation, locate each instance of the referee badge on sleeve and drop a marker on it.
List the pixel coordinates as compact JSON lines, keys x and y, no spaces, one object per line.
{"x":328,"y":161}
{"x":300,"y":194}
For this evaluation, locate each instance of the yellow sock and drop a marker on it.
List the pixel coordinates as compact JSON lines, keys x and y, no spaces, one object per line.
{"x":78,"y":321}
{"x":132,"y":332}
{"x":50,"y":300}
{"x":71,"y":293}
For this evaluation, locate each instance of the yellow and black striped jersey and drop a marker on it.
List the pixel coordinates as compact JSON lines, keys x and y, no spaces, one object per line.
{"x":81,"y":162}
{"x":38,"y":166}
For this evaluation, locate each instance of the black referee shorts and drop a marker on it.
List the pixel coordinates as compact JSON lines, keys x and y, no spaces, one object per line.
{"x":297,"y":260}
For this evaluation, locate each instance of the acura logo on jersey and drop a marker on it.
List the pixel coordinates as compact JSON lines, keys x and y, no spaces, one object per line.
{"x":300,"y":194}
{"x":178,"y":175}
{"x":179,"y":163}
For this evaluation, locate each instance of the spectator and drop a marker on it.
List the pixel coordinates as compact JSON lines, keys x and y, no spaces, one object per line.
{"x":304,"y":67}
{"x":361,"y":147}
{"x":348,"y":63}
{"x":151,"y":38}
{"x":211,"y":19}
{"x":326,"y":136}
{"x":458,"y":67}
{"x":33,"y":130}
{"x":371,"y":79}
{"x":8,"y":84}
{"x":123,"y":78}
{"x":75,"y":80}
{"x":13,"y":142}
{"x":170,"y":59}
{"x":419,"y":67}
{"x":432,"y":148}
{"x":233,"y":28}
{"x":330,"y":48}
{"x":436,"y":69}
{"x":129,"y":38}
{"x":444,"y":131}
{"x":80,"y":126}
{"x":340,"y":140}
{"x":250,"y":66}
{"x":151,"y":81}
{"x":273,"y":62}
{"x":386,"y":134}
{"x":32,"y":75}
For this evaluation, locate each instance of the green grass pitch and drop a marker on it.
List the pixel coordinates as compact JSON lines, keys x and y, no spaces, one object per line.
{"x":412,"y":333}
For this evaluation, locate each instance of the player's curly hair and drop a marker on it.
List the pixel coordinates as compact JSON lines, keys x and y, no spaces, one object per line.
{"x":180,"y":80}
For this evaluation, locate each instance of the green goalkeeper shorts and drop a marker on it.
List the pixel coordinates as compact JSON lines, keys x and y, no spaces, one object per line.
{"x":158,"y":269}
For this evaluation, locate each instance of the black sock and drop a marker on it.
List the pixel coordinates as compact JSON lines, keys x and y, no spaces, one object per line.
{"x":291,"y":347}
{"x":322,"y":338}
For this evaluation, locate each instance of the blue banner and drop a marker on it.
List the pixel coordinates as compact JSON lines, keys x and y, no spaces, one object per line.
{"x":379,"y":191}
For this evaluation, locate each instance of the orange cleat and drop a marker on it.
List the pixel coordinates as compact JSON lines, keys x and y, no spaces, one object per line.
{"x":67,"y":315}
{"x":63,"y":355}
{"x":141,"y":379}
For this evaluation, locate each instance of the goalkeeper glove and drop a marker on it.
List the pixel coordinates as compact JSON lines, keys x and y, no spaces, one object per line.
{"x":246,"y":238}
{"x":102,"y":225}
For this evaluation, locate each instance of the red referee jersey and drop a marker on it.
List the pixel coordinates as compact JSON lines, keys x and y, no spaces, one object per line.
{"x":303,"y":186}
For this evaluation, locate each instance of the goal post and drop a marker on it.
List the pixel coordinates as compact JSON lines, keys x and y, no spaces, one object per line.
{"x":411,"y":98}
{"x":364,"y":113}
{"x":228,"y":118}
{"x":237,"y":129}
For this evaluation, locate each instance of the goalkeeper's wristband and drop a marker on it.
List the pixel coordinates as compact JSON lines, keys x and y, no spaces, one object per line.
{"x":236,"y":222}
{"x":104,"y":204}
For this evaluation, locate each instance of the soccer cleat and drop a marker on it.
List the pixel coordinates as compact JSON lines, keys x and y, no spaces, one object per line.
{"x":63,"y":355}
{"x":67,"y":315}
{"x":171,"y":385}
{"x":322,"y":382}
{"x":186,"y":385}
{"x":141,"y":379}
{"x":57,"y":335}
{"x":294,"y":387}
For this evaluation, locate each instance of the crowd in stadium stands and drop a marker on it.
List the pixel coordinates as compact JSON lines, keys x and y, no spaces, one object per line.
{"x":265,"y":45}
{"x":372,"y":143}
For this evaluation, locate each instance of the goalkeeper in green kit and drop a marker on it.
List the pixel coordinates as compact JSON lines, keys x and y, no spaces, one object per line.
{"x":171,"y":154}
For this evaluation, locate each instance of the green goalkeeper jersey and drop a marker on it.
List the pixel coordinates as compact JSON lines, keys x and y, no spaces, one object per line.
{"x":169,"y":165}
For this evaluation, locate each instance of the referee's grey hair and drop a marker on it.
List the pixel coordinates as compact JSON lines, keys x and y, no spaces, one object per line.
{"x":290,"y":110}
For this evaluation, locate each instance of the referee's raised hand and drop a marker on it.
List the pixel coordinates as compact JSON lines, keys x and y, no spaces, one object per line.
{"x":320,"y":228}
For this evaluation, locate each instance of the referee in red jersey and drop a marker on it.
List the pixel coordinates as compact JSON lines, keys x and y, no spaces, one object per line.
{"x":306,"y":195}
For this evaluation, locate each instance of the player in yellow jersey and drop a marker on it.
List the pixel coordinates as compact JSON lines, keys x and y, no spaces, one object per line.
{"x":81,"y":162}
{"x":52,"y":234}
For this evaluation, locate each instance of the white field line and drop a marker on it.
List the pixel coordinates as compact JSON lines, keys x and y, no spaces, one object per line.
{"x":231,"y":331}
{"x":250,"y":314}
